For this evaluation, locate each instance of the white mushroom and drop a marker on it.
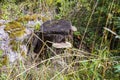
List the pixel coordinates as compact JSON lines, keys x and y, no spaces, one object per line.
{"x":73,"y":28}
{"x":62,"y":45}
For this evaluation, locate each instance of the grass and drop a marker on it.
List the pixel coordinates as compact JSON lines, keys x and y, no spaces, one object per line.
{"x":72,"y":64}
{"x":76,"y":66}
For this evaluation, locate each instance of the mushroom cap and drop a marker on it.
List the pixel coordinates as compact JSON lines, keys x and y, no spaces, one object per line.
{"x":62,"y":45}
{"x":73,"y":28}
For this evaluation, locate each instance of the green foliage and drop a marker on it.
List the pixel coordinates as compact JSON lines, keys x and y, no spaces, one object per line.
{"x":89,"y":20}
{"x":117,"y":67}
{"x":3,"y":77}
{"x":9,"y":11}
{"x":117,"y":24}
{"x":1,"y":53}
{"x":37,"y":26}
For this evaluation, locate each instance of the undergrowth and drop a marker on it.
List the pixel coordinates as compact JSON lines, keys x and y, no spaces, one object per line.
{"x":101,"y":62}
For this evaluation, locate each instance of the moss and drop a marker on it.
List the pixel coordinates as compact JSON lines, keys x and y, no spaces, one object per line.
{"x":23,"y":54}
{"x":44,"y":18}
{"x":14,"y":45}
{"x":15,"y":29}
{"x":27,"y":18}
{"x":4,"y":60}
{"x":0,"y":24}
{"x":33,"y":17}
{"x":1,"y":52}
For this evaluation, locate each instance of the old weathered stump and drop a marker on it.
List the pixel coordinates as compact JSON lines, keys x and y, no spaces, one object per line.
{"x":53,"y":31}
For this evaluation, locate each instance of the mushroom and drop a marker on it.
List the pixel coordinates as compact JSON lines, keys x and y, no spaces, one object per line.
{"x":62,"y":45}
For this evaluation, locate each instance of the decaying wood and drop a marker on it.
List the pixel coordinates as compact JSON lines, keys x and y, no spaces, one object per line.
{"x":55,"y":31}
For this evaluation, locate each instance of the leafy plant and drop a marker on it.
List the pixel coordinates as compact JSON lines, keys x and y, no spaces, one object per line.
{"x":117,"y":67}
{"x":91,"y":17}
